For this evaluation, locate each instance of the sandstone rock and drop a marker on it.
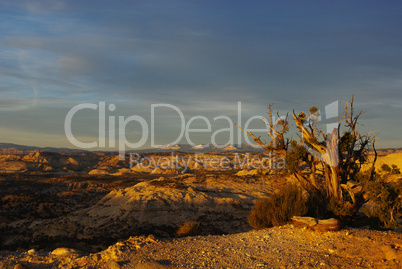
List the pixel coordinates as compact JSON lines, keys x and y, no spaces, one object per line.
{"x":47,"y":168}
{"x":252,"y":172}
{"x":391,"y":253}
{"x":151,"y":238}
{"x":242,"y":173}
{"x":158,"y":170}
{"x":114,"y":252}
{"x":69,"y":161}
{"x":51,"y":158}
{"x":98,"y":172}
{"x":32,"y":252}
{"x":14,"y":166}
{"x":112,"y":264}
{"x":19,"y":266}
{"x":142,"y":168}
{"x":96,"y":257}
{"x":81,"y":262}
{"x":10,"y":157}
{"x":123,"y":171}
{"x":64,"y":251}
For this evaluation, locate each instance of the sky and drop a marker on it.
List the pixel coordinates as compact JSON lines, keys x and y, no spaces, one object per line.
{"x":204,"y":59}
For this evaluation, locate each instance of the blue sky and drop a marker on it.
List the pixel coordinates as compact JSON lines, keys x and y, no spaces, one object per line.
{"x":201,"y":56}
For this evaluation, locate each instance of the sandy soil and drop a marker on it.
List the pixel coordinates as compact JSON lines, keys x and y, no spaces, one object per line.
{"x":279,"y":247}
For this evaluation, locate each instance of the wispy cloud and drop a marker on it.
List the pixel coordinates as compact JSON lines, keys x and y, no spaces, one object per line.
{"x":203,"y":57}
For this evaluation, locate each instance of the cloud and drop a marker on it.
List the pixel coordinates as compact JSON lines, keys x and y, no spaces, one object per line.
{"x":200,"y":56}
{"x":39,"y":6}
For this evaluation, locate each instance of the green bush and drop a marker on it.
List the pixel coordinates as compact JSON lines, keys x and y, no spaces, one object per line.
{"x":393,"y":169}
{"x":388,"y":198}
{"x":365,"y":176}
{"x":293,"y":157}
{"x":344,"y":212}
{"x":279,"y":208}
{"x":386,"y":168}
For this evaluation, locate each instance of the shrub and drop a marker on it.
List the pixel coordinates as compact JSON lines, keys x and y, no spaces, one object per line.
{"x":393,"y":169}
{"x":188,"y":228}
{"x":365,"y":176}
{"x":344,"y":212}
{"x":279,"y":208}
{"x":388,"y":198}
{"x":386,"y":168}
{"x":318,"y":206}
{"x":294,"y":156}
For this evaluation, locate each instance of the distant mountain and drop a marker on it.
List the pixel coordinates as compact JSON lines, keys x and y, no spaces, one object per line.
{"x":10,"y":148}
{"x":205,"y":148}
{"x":169,"y":146}
{"x":387,"y":151}
{"x":230,"y":147}
{"x":200,"y":146}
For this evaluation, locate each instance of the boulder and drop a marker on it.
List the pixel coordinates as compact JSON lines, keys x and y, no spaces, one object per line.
{"x":64,"y":251}
{"x":98,"y":172}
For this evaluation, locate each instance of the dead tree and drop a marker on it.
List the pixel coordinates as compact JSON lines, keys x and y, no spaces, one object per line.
{"x":326,"y":152}
{"x":334,"y":159}
{"x":276,"y":131}
{"x":341,"y":157}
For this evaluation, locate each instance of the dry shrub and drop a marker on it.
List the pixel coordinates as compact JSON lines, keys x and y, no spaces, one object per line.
{"x":188,"y":228}
{"x":388,"y":200}
{"x":279,"y":208}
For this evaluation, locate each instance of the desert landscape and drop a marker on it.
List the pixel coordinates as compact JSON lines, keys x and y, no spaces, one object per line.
{"x":90,"y":210}
{"x":200,"y":134}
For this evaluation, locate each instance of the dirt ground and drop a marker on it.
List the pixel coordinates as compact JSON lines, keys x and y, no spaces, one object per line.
{"x":279,"y":247}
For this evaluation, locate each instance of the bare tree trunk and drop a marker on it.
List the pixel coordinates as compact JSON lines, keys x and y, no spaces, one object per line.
{"x":333,"y":182}
{"x":333,"y":163}
{"x":328,"y":155}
